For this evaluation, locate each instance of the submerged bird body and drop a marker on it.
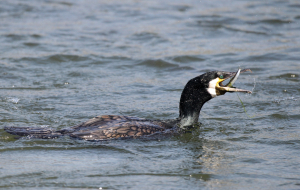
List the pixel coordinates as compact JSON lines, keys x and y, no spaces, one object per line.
{"x":99,"y":128}
{"x":196,"y":93}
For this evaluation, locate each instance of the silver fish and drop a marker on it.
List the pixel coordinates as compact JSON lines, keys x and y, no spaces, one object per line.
{"x":229,"y":87}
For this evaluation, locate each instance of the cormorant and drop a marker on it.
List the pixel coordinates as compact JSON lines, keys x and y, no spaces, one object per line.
{"x":195,"y":94}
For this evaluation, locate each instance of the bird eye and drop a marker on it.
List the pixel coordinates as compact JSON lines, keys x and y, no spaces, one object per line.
{"x":221,"y":77}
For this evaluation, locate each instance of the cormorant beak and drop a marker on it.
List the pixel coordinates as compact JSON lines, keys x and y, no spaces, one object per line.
{"x":222,"y":89}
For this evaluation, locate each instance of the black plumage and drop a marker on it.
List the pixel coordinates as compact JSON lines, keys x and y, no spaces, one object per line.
{"x":195,"y":94}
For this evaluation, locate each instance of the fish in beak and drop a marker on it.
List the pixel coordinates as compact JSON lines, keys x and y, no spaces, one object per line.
{"x":222,"y":89}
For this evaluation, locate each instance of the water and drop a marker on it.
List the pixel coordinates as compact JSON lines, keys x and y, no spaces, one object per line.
{"x":63,"y":62}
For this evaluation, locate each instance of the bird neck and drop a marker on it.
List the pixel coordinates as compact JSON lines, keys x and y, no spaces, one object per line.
{"x":193,"y":97}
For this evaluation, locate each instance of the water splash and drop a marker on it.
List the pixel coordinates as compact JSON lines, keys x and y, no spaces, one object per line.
{"x":284,"y":99}
{"x":13,"y":100}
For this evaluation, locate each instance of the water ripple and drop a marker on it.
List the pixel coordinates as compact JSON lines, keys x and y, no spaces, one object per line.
{"x":63,"y":62}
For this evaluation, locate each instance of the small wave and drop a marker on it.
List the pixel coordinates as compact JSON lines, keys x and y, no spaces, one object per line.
{"x":15,"y":37}
{"x":66,"y":58}
{"x":268,"y":57}
{"x":148,"y":37}
{"x":50,"y":59}
{"x":20,"y":37}
{"x":145,"y":36}
{"x":275,"y":21}
{"x":215,"y":21}
{"x":182,"y":8}
{"x":235,"y":29}
{"x":187,"y":68}
{"x":157,"y":64}
{"x":188,"y":58}
{"x":287,"y":76}
{"x":31,"y":44}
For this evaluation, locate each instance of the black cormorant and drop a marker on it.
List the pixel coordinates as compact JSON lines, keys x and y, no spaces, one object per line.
{"x":195,"y":94}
